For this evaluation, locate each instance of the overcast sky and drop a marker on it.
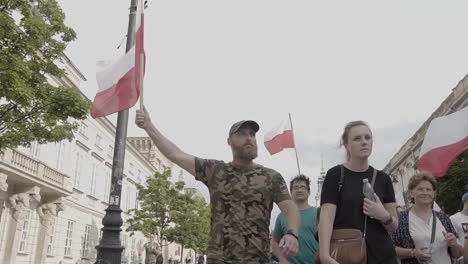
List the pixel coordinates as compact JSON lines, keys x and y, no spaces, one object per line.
{"x":212,"y":63}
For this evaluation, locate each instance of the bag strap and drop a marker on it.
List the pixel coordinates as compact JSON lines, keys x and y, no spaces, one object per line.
{"x":374,"y":174}
{"x":340,"y":183}
{"x":434,"y":223}
{"x":373,"y":178}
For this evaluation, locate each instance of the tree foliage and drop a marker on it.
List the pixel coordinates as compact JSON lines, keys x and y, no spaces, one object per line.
{"x":33,"y":37}
{"x":453,"y":185}
{"x":192,"y":223}
{"x":157,"y":199}
{"x":171,"y":214}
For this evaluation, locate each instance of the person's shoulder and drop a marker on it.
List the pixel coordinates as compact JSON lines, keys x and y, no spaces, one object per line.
{"x":267,"y":171}
{"x":311,"y":210}
{"x":442,"y":216}
{"x":381,"y":173}
{"x":280,"y":217}
{"x":211,"y":164}
{"x":336,"y":168}
{"x":456,"y":216}
{"x":213,"y":161}
{"x":334,"y":171}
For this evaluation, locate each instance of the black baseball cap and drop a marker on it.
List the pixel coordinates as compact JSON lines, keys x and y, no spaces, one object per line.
{"x":236,"y":126}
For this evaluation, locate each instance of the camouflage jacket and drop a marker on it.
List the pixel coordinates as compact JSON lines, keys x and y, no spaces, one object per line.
{"x":241,"y":204}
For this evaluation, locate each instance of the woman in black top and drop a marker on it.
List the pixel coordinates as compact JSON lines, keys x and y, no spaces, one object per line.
{"x":346,"y":208}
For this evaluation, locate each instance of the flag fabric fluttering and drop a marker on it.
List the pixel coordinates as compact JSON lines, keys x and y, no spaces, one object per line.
{"x":446,"y":138}
{"x":279,"y":138}
{"x":119,"y":83}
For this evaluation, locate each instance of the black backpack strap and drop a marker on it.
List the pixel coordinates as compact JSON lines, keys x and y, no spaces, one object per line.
{"x":341,"y":182}
{"x":373,"y":177}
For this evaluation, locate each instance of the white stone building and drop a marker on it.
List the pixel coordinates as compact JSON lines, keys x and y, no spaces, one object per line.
{"x":403,"y":164}
{"x":53,"y":196}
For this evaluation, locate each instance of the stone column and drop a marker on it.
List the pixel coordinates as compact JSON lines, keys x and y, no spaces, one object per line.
{"x":20,"y":203}
{"x":47,"y":215}
{"x":3,"y":191}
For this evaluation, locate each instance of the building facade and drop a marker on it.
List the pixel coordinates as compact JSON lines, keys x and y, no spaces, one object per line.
{"x":53,"y":197}
{"x":404,"y":163}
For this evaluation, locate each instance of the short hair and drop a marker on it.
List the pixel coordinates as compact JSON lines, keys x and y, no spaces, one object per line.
{"x":416,"y":179}
{"x":300,"y":178}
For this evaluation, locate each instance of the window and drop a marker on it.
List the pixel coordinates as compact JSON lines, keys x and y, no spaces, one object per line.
{"x":86,"y":182}
{"x":25,"y":232}
{"x":107,"y":184}
{"x":123,"y":198}
{"x":60,"y":155}
{"x":3,"y":215}
{"x":110,"y":151}
{"x":129,"y":202}
{"x":35,"y":149}
{"x":78,"y":169}
{"x":94,"y":172}
{"x":136,"y":199}
{"x":139,"y":175}
{"x":85,"y":245}
{"x":98,"y":141}
{"x":68,"y":238}
{"x":83,"y":131}
{"x":133,"y":256}
{"x":131,"y":168}
{"x":123,"y":238}
{"x":50,"y":240}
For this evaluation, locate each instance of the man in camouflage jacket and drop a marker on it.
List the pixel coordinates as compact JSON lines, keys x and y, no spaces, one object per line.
{"x":241,"y":194}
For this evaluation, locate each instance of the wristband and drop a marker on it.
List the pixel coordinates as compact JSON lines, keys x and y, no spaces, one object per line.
{"x":290,"y":232}
{"x":412,"y":253}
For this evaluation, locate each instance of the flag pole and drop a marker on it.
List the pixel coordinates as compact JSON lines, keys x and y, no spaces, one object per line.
{"x":142,"y":73}
{"x":295,"y":148}
{"x":110,"y":249}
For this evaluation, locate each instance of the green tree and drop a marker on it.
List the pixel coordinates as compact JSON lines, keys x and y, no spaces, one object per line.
{"x":453,"y":185}
{"x":33,"y":37}
{"x":202,"y":225}
{"x":192,"y":223}
{"x":158,"y":198}
{"x":171,"y":214}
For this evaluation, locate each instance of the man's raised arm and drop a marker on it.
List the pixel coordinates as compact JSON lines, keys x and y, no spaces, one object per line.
{"x":167,"y":148}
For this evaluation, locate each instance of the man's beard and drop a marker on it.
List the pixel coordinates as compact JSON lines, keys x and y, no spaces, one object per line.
{"x":245,"y":153}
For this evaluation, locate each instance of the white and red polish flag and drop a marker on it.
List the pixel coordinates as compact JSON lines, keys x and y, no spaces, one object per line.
{"x":279,"y":138}
{"x":446,"y":138}
{"x":119,"y":83}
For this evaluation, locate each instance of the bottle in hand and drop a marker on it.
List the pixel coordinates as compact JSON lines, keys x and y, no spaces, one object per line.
{"x":367,"y":190}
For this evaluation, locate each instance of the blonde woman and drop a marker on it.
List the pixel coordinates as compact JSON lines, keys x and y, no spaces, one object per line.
{"x":424,"y":235}
{"x":344,"y":206}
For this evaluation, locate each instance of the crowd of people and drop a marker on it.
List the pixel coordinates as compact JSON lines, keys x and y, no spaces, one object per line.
{"x":349,"y":226}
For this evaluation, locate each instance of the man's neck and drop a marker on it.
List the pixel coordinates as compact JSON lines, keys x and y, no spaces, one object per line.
{"x":465,"y":210}
{"x":242,"y":164}
{"x":357,"y":164}
{"x":302,"y":204}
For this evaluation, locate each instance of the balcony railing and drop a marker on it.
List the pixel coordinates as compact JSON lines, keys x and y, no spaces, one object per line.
{"x":32,"y":167}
